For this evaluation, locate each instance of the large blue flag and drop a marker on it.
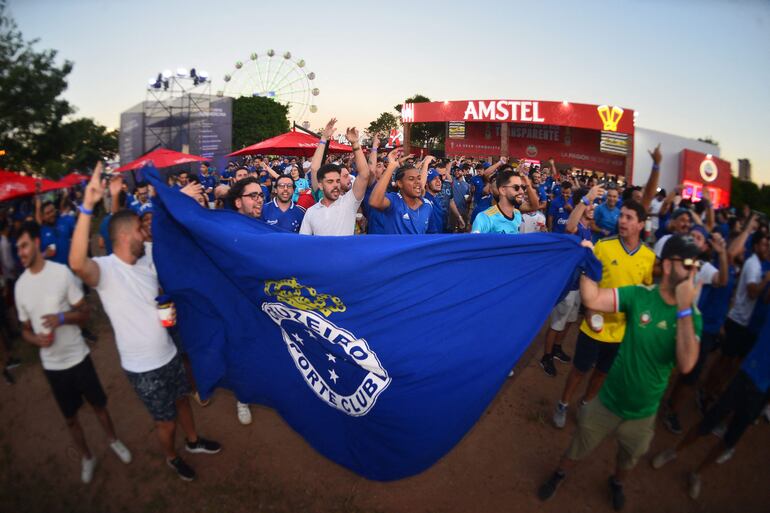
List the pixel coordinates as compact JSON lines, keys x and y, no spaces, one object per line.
{"x":381,"y":351}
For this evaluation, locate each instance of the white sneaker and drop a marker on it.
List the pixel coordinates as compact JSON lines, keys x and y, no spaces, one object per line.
{"x":725,"y":456}
{"x":244,"y":414}
{"x":87,"y":469}
{"x":663,"y":457}
{"x":510,"y":374}
{"x":122,"y":451}
{"x":560,"y":416}
{"x":693,"y":485}
{"x":720,"y":430}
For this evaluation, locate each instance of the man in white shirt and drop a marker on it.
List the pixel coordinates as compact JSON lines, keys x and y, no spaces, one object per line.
{"x":127,"y":285}
{"x":51,"y":310}
{"x":335,"y":214}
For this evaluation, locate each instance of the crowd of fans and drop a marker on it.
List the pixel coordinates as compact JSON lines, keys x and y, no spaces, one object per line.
{"x":684,"y":285}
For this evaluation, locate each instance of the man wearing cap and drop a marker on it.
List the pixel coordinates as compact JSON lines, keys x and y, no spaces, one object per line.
{"x":625,"y":261}
{"x":435,"y":194}
{"x":405,"y":211}
{"x":710,"y":277}
{"x":681,"y":222}
{"x":662,"y":331}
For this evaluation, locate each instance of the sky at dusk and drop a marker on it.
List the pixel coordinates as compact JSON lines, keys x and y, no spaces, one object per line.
{"x":691,"y":68}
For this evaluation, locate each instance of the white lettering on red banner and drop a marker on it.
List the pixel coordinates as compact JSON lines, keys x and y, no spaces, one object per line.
{"x":502,"y":110}
{"x":407,"y":113}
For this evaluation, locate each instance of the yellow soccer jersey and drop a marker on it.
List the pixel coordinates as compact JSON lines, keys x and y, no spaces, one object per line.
{"x":619,"y":269}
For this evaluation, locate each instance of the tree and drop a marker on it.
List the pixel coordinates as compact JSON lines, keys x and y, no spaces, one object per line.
{"x":75,"y":146}
{"x":31,"y":84}
{"x":256,"y":118}
{"x":425,"y":135}
{"x":383,"y":124}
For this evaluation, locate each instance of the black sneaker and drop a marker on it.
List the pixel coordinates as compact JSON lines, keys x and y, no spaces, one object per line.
{"x":559,"y":354}
{"x":8,"y":377}
{"x":203,"y":445}
{"x":12,"y":363}
{"x":671,"y":421}
{"x":617,"y":496}
{"x":548,"y":489}
{"x":547,"y":364}
{"x":183,"y":470}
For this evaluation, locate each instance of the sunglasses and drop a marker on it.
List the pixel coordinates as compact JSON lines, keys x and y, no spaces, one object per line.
{"x":689,"y":263}
{"x":253,"y":195}
{"x":516,"y":187}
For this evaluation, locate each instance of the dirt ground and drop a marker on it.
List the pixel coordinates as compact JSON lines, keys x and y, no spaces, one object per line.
{"x":267,"y":467}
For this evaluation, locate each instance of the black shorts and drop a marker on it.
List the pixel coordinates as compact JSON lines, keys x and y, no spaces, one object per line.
{"x":741,"y":397}
{"x":739,"y":340}
{"x":708,"y":342}
{"x":69,"y":386}
{"x":590,"y":352}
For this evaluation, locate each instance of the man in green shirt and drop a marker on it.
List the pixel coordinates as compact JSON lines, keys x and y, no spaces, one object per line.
{"x":662,"y":330}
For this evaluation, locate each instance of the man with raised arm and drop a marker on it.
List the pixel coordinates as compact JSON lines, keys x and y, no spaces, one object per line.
{"x":127,"y":284}
{"x":662,"y":331}
{"x":335,"y":214}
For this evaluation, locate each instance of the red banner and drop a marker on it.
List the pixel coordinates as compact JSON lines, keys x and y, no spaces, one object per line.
{"x":578,"y":115}
{"x":574,"y":146}
{"x":698,"y":171}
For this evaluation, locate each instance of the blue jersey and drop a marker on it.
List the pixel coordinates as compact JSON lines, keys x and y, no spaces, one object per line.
{"x":299,"y":185}
{"x":208,"y":181}
{"x":105,"y":233}
{"x":607,"y":218}
{"x":584,"y":232}
{"x":60,"y":235}
{"x":398,"y":218}
{"x":492,"y":220}
{"x":558,"y":211}
{"x":374,"y":223}
{"x":714,"y":302}
{"x":459,"y":189}
{"x":289,"y":220}
{"x":478,"y":187}
{"x":437,"y":222}
{"x":140,"y":208}
{"x":542,"y":194}
{"x":757,"y":362}
{"x":482,"y":204}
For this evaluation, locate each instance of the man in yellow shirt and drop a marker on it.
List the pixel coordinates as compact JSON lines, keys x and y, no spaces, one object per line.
{"x":626,"y":260}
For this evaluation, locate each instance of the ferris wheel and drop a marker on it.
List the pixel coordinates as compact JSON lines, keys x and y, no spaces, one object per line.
{"x":275,"y":76}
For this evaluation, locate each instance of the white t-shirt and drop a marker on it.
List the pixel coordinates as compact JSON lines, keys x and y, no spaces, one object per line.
{"x":655,"y":206}
{"x":339,"y":218}
{"x":51,"y":291}
{"x":659,"y":245}
{"x":705,"y":276}
{"x":532,"y":222}
{"x":743,"y":306}
{"x":128,"y":294}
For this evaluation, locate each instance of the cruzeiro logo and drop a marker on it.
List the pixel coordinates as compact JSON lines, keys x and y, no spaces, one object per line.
{"x":341,"y":369}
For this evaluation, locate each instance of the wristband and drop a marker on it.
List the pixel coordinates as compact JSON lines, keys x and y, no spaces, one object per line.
{"x":321,"y":141}
{"x":655,"y":167}
{"x":684,"y":313}
{"x":586,"y":201}
{"x":84,"y":210}
{"x":61,"y":318}
{"x":356,"y":148}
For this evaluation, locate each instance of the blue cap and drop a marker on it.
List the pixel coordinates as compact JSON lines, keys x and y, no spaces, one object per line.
{"x":678,"y":212}
{"x":703,"y":231}
{"x":432,"y":173}
{"x":486,"y":165}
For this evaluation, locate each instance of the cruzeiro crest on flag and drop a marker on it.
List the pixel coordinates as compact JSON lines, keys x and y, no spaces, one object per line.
{"x":339,"y":367}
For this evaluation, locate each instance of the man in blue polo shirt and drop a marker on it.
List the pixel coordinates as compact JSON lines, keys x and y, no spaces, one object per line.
{"x":282,"y":211}
{"x":606,"y":215}
{"x":405,"y":211}
{"x":55,"y":231}
{"x":142,"y":201}
{"x":208,"y":181}
{"x":560,"y":209}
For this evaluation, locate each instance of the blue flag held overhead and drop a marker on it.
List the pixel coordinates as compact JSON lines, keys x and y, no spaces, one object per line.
{"x":381,"y":351}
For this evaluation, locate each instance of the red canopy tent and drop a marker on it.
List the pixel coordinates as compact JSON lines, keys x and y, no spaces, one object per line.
{"x":296,"y":144}
{"x":14,"y":185}
{"x":161,"y":158}
{"x":73,"y":179}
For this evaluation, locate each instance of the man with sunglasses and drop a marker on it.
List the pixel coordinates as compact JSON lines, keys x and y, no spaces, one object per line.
{"x":282,"y":211}
{"x":662,"y":331}
{"x":625,"y":261}
{"x":505,"y":216}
